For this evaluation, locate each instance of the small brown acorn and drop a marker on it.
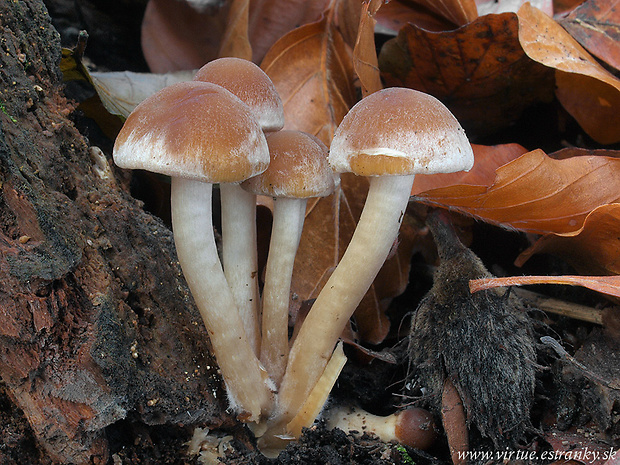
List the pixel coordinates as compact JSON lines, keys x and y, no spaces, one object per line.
{"x":480,"y":342}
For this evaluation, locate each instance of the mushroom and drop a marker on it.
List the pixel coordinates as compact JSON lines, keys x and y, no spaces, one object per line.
{"x":239,"y":250}
{"x":298,"y":170}
{"x":413,"y":426}
{"x":389,"y":136}
{"x":198,"y":134}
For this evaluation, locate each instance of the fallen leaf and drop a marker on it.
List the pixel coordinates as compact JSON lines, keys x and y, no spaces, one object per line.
{"x":398,"y":13}
{"x":564,"y":6}
{"x":364,"y":54}
{"x":609,"y":285}
{"x":235,"y":42}
{"x":177,"y":37}
{"x":459,"y":12}
{"x":584,"y":88}
{"x":593,"y":249}
{"x":348,"y":19}
{"x":479,"y":70}
{"x":487,"y":160}
{"x":596,"y":26}
{"x":536,"y":193}
{"x":270,"y":20}
{"x":312,"y":71}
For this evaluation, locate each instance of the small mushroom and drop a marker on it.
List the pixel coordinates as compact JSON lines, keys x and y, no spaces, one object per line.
{"x":413,"y":426}
{"x":298,"y":170}
{"x":390,"y":136}
{"x":198,"y":134}
{"x":239,"y":251}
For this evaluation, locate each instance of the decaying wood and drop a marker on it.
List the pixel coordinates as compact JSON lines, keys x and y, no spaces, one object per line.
{"x":96,"y":321}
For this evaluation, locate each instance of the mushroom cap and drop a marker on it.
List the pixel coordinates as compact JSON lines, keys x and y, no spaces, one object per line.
{"x":195,"y":130}
{"x":399,"y":131}
{"x":250,"y":83}
{"x":298,"y":168}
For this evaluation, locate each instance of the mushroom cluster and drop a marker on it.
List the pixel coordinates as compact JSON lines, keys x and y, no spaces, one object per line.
{"x":225,"y":128}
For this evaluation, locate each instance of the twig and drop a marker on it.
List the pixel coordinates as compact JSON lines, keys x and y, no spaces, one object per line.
{"x":560,"y":307}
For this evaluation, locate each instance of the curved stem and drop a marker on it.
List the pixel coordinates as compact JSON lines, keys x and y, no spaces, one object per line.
{"x":239,"y":256}
{"x":192,"y":224}
{"x":288,"y":219}
{"x":373,"y":237}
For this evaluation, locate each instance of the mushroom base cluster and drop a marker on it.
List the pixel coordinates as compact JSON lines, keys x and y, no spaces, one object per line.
{"x":225,"y":128}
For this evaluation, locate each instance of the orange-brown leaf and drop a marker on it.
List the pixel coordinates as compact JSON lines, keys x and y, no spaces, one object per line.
{"x":236,"y":42}
{"x":586,"y":90}
{"x":177,"y":37}
{"x":596,"y":26}
{"x":312,"y":71}
{"x":398,"y":13}
{"x":479,"y":70}
{"x":365,"y":54}
{"x":593,"y":249}
{"x":537,"y":193}
{"x":563,"y":6}
{"x":272,"y":19}
{"x":348,"y":19}
{"x":609,"y":285}
{"x":460,"y":12}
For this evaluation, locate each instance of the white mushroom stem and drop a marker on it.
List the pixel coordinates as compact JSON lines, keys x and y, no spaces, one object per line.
{"x":373,"y":237}
{"x":271,"y":445}
{"x":239,"y":256}
{"x":288,"y":219}
{"x":246,"y":381}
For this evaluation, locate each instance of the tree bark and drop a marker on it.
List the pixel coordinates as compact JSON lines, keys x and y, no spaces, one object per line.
{"x":96,"y":321}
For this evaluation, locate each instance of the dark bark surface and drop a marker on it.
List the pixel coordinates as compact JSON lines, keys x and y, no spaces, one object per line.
{"x":96,"y":322}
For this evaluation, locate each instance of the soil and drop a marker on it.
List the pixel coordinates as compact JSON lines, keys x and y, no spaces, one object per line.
{"x":71,"y":306}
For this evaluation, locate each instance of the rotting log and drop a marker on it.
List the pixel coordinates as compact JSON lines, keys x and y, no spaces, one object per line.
{"x":96,"y":321}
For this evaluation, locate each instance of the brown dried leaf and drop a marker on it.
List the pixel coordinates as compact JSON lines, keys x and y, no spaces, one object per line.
{"x":585,"y":89}
{"x":348,"y":19}
{"x":479,"y":70}
{"x":609,"y":285}
{"x":398,"y":13}
{"x":177,"y":37}
{"x":364,"y":54}
{"x":270,"y":20}
{"x":596,"y":26}
{"x":312,"y":71}
{"x":592,"y":249}
{"x":236,"y":42}
{"x":537,"y":193}
{"x":563,"y":6}
{"x":460,"y":12}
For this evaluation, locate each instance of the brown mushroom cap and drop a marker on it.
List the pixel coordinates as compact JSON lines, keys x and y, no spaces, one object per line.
{"x":399,"y":131}
{"x":298,"y":168}
{"x":250,"y":83}
{"x":194,"y":130}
